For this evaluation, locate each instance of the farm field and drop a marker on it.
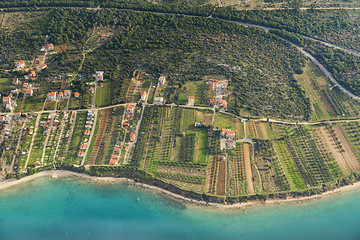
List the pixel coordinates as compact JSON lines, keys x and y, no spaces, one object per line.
{"x":313,"y":82}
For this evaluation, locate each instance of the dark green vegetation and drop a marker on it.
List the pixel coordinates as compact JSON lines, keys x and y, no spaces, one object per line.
{"x":340,"y":27}
{"x":258,"y":66}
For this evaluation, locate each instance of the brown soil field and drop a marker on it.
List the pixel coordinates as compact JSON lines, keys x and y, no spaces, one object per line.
{"x":220,"y":185}
{"x":206,"y":118}
{"x":178,"y":170}
{"x":322,"y":83}
{"x":212,"y":172}
{"x":326,"y":103}
{"x":248,"y":168}
{"x":262,"y":130}
{"x":349,"y":156}
{"x":339,"y":157}
{"x":239,"y":128}
{"x":148,"y":143}
{"x":100,"y":135}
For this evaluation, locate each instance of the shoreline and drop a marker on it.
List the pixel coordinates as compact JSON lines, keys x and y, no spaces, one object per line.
{"x":65,"y":173}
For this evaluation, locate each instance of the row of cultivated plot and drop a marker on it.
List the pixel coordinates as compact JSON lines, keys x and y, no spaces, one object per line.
{"x":351,"y":131}
{"x":287,"y":161}
{"x":272,"y":174}
{"x":182,"y":177}
{"x":311,"y":162}
{"x":144,"y":135}
{"x":189,"y":147}
{"x":214,"y":141}
{"x":153,"y":139}
{"x":76,"y":139}
{"x":342,"y":104}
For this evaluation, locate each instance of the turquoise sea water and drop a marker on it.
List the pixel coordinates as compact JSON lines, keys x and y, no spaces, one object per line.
{"x":71,"y":208}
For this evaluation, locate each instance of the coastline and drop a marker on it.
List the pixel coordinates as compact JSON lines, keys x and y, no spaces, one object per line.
{"x":65,"y":173}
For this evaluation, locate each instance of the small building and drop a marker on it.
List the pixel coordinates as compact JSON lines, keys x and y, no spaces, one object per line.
{"x":228,"y":134}
{"x":15,"y":81}
{"x":51,"y":96}
{"x":132,"y":137}
{"x":126,"y":124}
{"x":50,"y":46}
{"x":37,"y":164}
{"x":43,"y":66}
{"x":130,"y":109}
{"x":213,"y":102}
{"x":20,"y":64}
{"x":159,"y":100}
{"x":81,"y":154}
{"x":99,"y":76}
{"x":28,"y":93}
{"x":113,"y":156}
{"x":116,"y":149}
{"x":30,"y":131}
{"x":32,"y":74}
{"x":6,"y":100}
{"x":113,"y":162}
{"x":162,"y":80}
{"x":87,"y":132}
{"x":67,"y":94}
{"x":197,"y":124}
{"x":143,"y":96}
{"x":25,"y":85}
{"x":223,"y":103}
{"x":82,"y":146}
{"x":61,"y":95}
{"x":191,"y":101}
{"x":76,"y":94}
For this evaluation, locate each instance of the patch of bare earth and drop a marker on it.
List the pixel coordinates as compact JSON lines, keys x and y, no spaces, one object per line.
{"x":220,"y":184}
{"x":349,"y":156}
{"x":249,"y":177}
{"x":335,"y":151}
{"x":327,"y":103}
{"x":100,"y":135}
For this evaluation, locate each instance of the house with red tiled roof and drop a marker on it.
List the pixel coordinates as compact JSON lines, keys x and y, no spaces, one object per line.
{"x":126,"y":124}
{"x":76,"y":94}
{"x":28,"y":93}
{"x":82,"y":146}
{"x":191,"y":100}
{"x":143,"y":96}
{"x":113,"y":162}
{"x":43,"y":66}
{"x":25,"y":85}
{"x":6,"y":100}
{"x":228,"y":133}
{"x":30,"y":131}
{"x":223,"y":103}
{"x":32,"y":73}
{"x":81,"y":154}
{"x":67,"y":94}
{"x":132,"y":137}
{"x":130,"y":109}
{"x":50,"y":46}
{"x":213,"y":102}
{"x":116,"y":149}
{"x":87,"y":132}
{"x":20,"y":64}
{"x":37,"y":164}
{"x":61,"y":95}
{"x":15,"y":81}
{"x":51,"y":96}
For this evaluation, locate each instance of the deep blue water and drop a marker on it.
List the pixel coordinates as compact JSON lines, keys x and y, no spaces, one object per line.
{"x":71,"y":208}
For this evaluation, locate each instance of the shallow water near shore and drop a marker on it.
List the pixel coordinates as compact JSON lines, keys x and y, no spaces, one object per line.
{"x":73,"y":208}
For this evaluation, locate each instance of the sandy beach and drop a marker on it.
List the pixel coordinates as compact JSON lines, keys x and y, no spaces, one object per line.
{"x":63,"y":173}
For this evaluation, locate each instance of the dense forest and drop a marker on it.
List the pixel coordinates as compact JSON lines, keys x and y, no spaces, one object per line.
{"x":345,"y":67}
{"x":260,"y":65}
